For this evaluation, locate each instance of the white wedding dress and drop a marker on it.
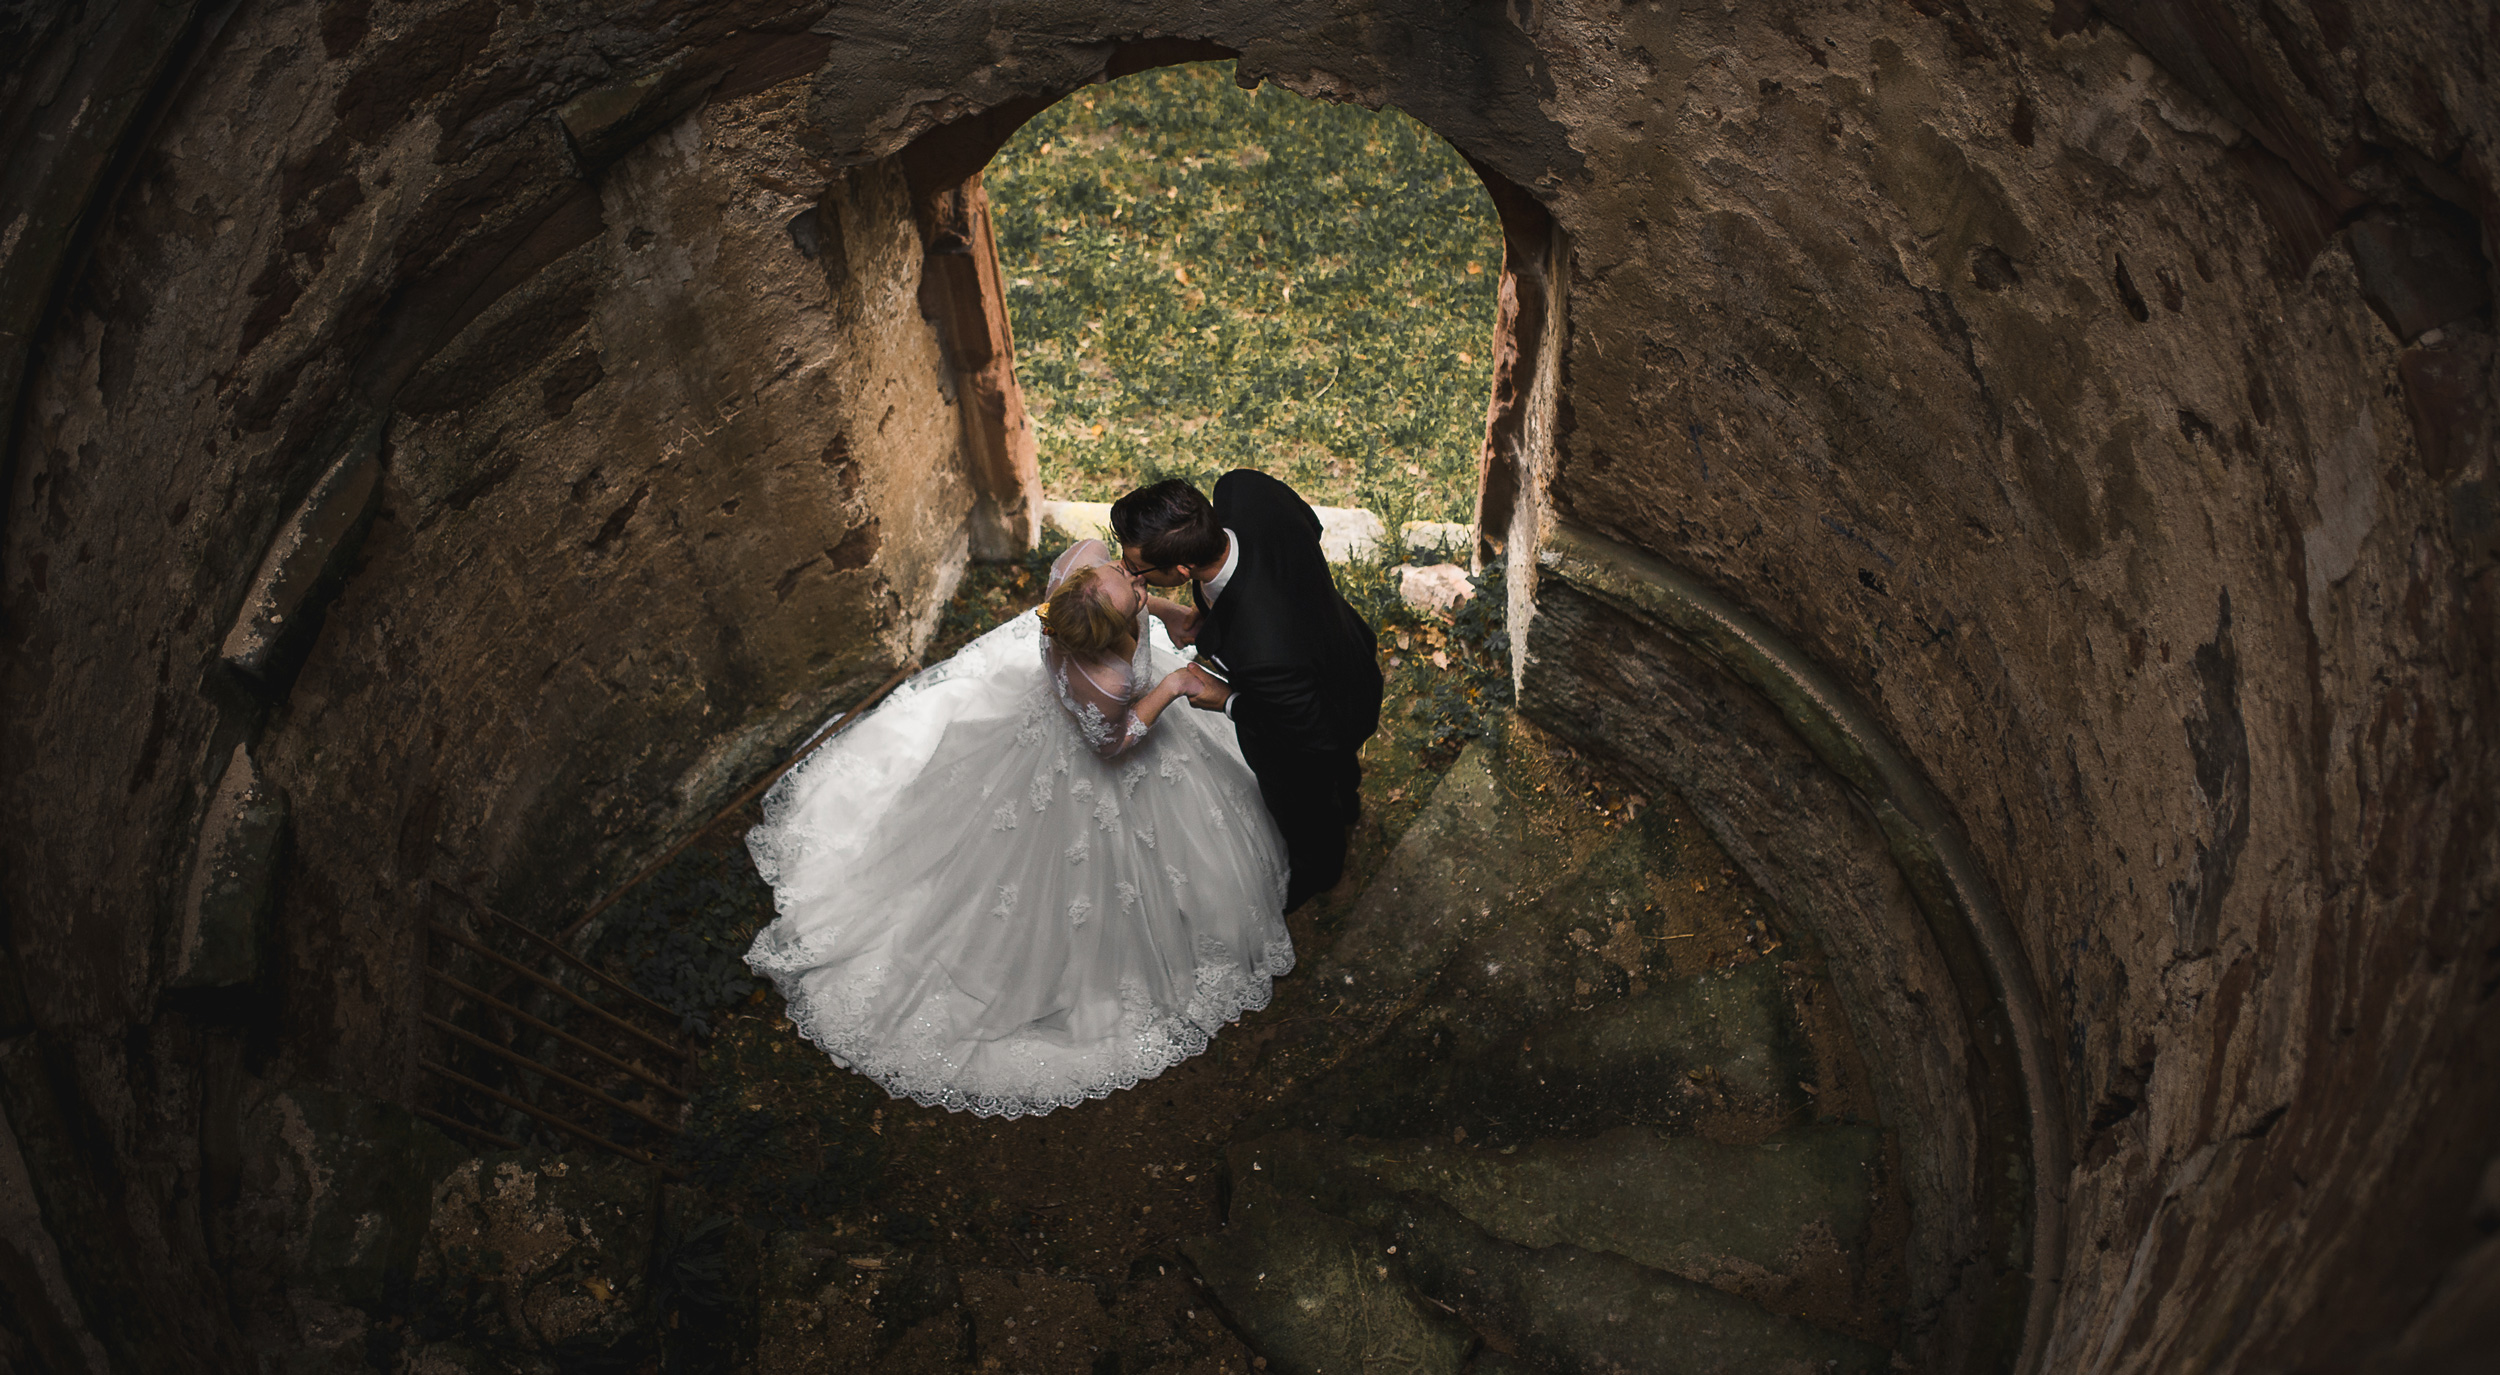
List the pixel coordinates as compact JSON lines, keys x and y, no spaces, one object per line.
{"x":1001,"y":895}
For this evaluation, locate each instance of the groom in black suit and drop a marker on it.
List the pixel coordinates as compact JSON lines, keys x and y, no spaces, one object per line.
{"x":1301,"y":671}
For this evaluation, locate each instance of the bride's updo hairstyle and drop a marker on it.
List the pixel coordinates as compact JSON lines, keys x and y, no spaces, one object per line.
{"x":1080,"y":616}
{"x":1171,"y":523}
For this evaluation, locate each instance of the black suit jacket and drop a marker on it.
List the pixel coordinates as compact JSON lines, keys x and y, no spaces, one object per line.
{"x":1303,"y":665}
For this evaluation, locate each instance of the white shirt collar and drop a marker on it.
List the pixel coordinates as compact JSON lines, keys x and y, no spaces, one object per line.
{"x":1214,"y":587}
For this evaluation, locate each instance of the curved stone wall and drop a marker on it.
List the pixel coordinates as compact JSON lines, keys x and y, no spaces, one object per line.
{"x":465,"y":441}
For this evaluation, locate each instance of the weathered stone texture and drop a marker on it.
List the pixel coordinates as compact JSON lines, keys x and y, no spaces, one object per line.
{"x":1964,"y":354}
{"x":2099,"y":392}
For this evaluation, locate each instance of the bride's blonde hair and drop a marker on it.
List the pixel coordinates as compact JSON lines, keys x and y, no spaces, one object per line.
{"x":1080,"y":615}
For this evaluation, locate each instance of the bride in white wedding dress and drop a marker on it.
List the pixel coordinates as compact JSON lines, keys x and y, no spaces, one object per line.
{"x":1022,"y":882}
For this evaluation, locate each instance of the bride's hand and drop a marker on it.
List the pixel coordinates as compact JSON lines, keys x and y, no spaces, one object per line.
{"x":1183,"y":682}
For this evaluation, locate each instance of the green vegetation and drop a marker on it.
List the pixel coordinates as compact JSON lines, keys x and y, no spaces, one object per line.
{"x":1204,"y":278}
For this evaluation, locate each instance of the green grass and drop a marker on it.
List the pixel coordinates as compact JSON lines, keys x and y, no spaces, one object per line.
{"x":1203,"y":278}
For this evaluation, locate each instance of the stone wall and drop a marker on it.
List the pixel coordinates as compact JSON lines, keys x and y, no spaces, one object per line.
{"x":503,"y":431}
{"x":1982,"y":360}
{"x":447,"y":478}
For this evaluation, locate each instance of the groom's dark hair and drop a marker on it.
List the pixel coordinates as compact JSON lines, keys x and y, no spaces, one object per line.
{"x":1171,"y":523}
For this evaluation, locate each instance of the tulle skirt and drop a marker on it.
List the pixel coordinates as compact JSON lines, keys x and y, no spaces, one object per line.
{"x":979,"y":913}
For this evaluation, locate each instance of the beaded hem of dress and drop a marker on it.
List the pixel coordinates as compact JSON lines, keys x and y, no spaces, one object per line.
{"x":1054,"y":1076}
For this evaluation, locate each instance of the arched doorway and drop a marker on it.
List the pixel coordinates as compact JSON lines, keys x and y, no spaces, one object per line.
{"x":965,"y":294}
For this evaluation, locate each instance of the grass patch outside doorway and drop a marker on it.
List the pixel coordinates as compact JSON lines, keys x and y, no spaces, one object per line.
{"x":1204,"y":278}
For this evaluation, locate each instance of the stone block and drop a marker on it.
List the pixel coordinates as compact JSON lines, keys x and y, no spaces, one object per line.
{"x":605,"y":122}
{"x":2419,"y":269}
{"x":1464,"y":857}
{"x":1681,"y":1204}
{"x":1435,"y":588}
{"x":310,"y":546}
{"x":1347,"y":533}
{"x":333,"y":1194}
{"x":1341,"y":1256}
{"x":1451,"y":539}
{"x":1567,"y":1308}
{"x":217,"y":938}
{"x":1315,"y":1293}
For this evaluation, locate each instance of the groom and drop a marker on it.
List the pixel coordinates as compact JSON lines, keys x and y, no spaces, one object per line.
{"x":1302,"y":678}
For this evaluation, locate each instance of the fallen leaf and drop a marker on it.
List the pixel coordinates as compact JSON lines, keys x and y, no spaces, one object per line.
{"x":598,"y":1289}
{"x":1440,"y":658}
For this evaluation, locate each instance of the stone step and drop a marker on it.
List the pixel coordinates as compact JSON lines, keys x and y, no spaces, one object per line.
{"x":1699,"y":1209}
{"x":1531,"y":1124}
{"x":1465,"y":861}
{"x":1413,"y":1284}
{"x":1498,"y":975}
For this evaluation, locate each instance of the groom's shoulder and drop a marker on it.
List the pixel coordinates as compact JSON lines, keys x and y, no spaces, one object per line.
{"x":1249,"y":490}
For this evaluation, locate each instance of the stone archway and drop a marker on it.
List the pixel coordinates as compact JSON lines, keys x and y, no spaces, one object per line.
{"x":2046,"y":453}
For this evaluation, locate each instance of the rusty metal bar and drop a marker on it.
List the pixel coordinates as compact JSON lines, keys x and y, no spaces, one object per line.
{"x":576,"y":1085}
{"x":558,"y":951}
{"x":445,"y":1120}
{"x":507,"y":1009}
{"x":558,"y":989}
{"x":840,"y":723}
{"x":543,"y":1115}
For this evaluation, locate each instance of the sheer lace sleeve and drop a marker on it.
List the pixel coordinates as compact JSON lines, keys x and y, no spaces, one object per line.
{"x":1097,"y":695}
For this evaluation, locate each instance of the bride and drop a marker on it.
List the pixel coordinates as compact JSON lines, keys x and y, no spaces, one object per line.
{"x":1023,"y":882}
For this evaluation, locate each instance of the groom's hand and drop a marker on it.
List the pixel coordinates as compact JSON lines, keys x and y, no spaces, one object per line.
{"x":1180,"y":622}
{"x":1212,"y":695}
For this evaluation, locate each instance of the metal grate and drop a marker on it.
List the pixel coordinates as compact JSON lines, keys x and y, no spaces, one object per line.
{"x":502,"y":1056}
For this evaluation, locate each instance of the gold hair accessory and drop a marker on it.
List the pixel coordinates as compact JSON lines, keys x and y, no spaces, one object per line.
{"x":1042,"y":614}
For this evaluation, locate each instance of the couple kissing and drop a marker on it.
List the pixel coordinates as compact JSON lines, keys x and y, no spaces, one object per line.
{"x":1023,"y":880}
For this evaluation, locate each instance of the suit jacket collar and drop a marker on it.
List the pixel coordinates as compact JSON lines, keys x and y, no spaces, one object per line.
{"x":1225,"y":572}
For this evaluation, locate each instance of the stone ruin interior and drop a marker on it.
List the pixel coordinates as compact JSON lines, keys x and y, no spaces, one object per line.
{"x":2017,"y":474}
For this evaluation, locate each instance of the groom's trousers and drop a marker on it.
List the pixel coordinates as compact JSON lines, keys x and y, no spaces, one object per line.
{"x":1315,"y":795}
